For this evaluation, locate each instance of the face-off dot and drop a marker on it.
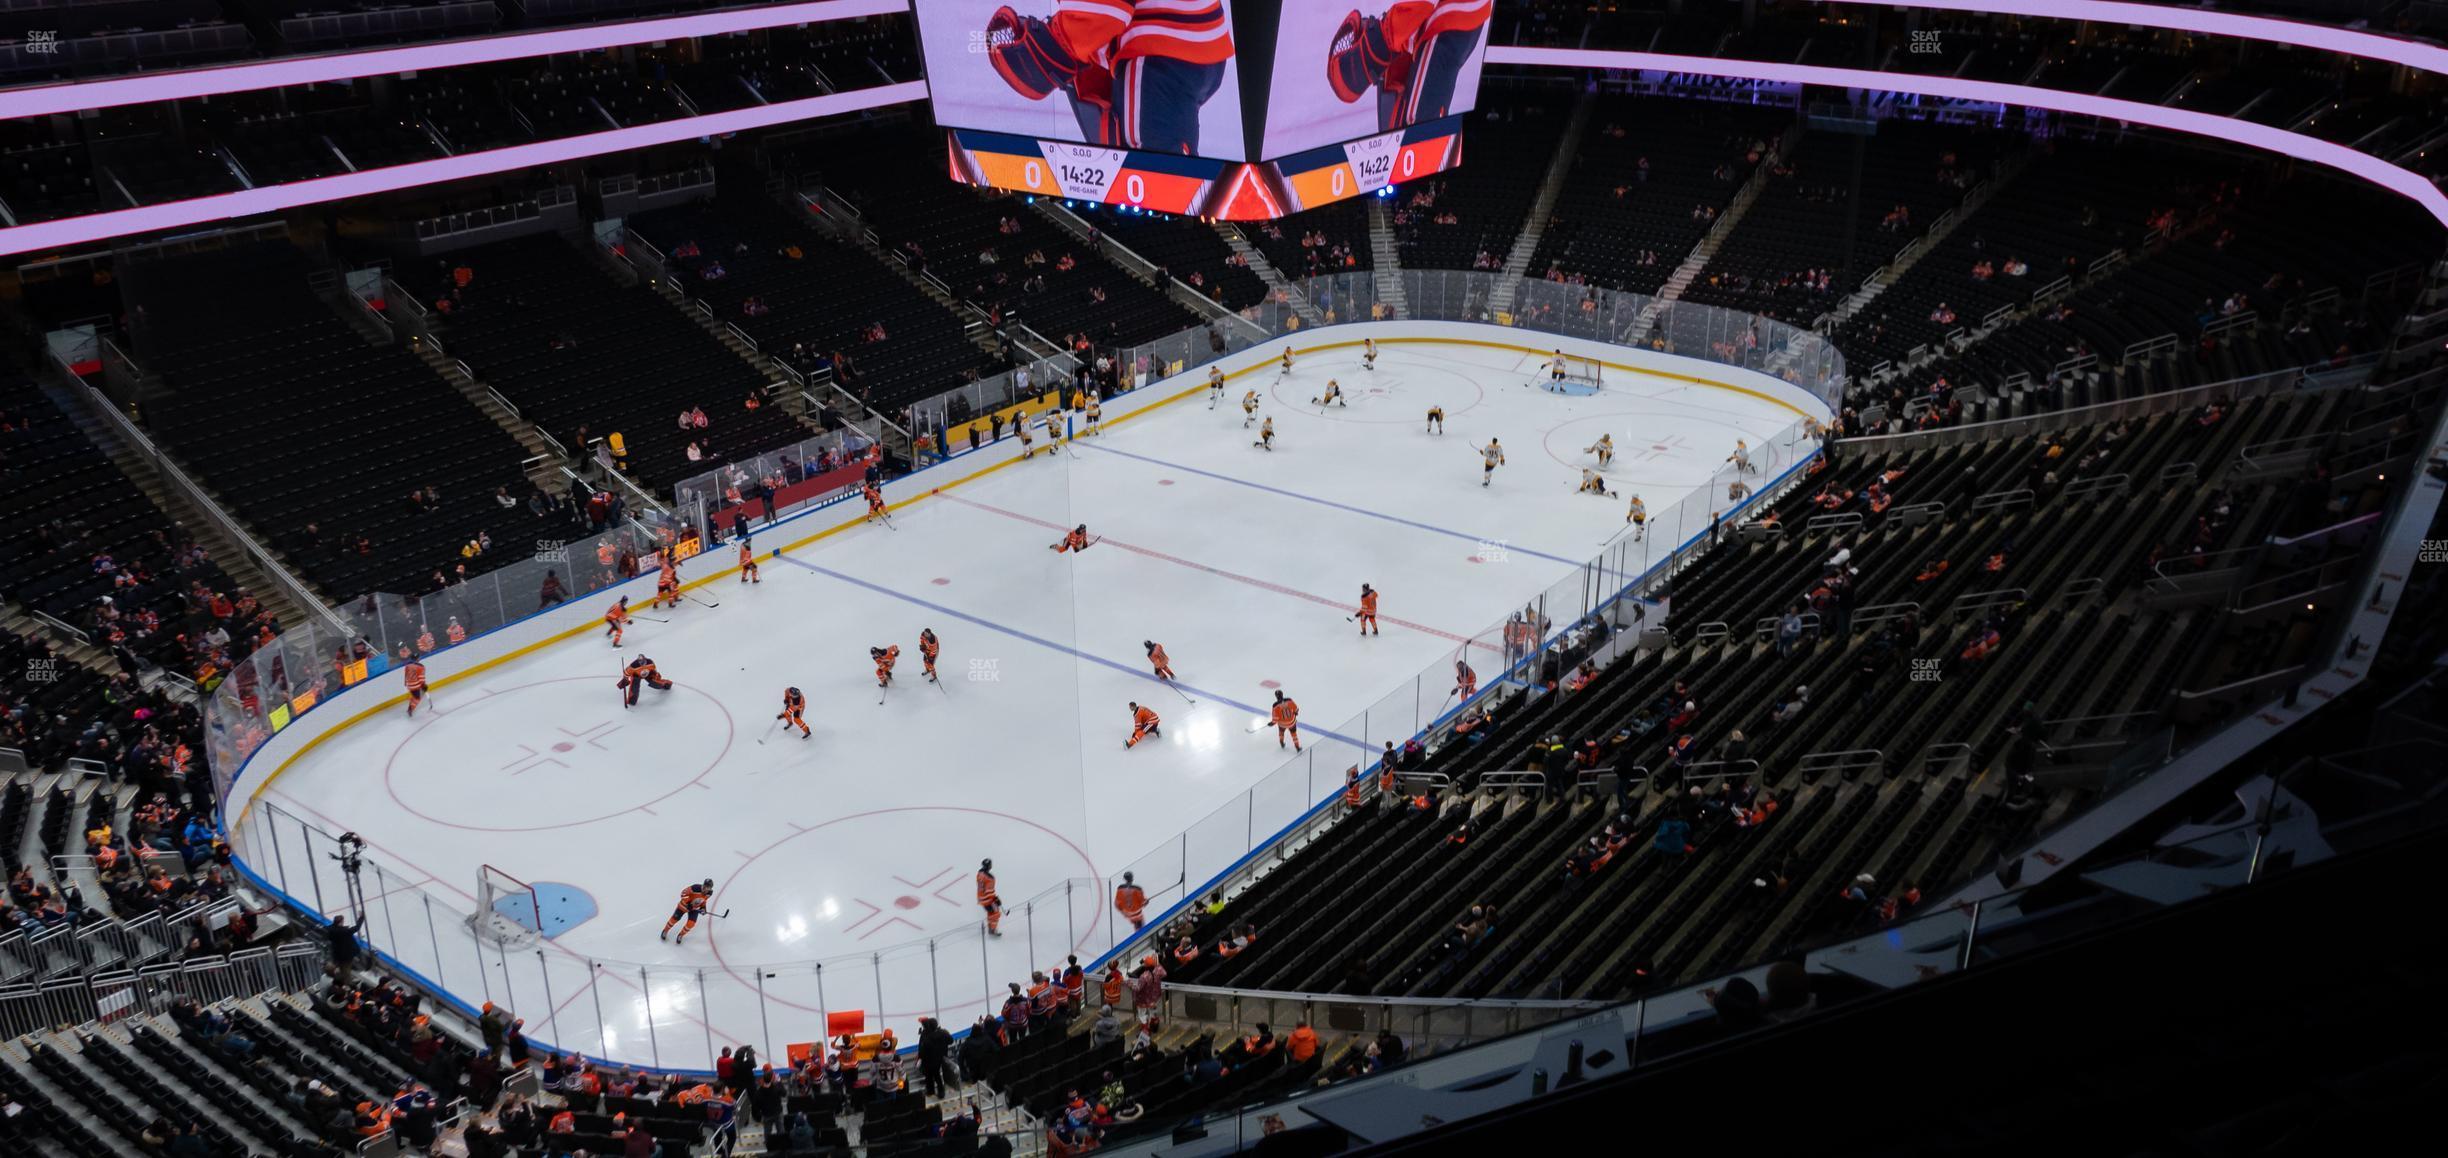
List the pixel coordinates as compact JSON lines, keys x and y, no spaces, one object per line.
{"x":905,"y":902}
{"x":940,"y":582}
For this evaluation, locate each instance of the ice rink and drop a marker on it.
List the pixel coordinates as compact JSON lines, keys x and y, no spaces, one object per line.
{"x":855,"y":850}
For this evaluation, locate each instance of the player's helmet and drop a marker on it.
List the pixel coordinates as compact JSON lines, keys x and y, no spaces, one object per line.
{"x":794,"y":691}
{"x":985,"y":865}
{"x":708,"y":885}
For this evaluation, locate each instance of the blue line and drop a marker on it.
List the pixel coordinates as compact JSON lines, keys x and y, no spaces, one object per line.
{"x":1345,"y":507}
{"x":1048,"y":644}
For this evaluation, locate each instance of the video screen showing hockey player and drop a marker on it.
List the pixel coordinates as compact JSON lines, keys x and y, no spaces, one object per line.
{"x":1345,"y":71}
{"x":1153,"y":75}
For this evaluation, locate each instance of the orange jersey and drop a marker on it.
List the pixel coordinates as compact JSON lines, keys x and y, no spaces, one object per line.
{"x":747,"y":555}
{"x":1285,"y":712}
{"x":618,"y":614}
{"x":1131,"y":899}
{"x":1157,"y":656}
{"x":794,"y":703}
{"x":985,"y":887}
{"x":1117,"y":30}
{"x":1368,"y":603}
{"x":414,"y":675}
{"x":928,"y":647}
{"x":1144,"y":717}
{"x":1424,"y":18}
{"x":692,"y":900}
{"x":892,"y":655}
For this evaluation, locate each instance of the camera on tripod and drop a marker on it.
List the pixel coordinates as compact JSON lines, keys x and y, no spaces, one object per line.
{"x":352,"y":853}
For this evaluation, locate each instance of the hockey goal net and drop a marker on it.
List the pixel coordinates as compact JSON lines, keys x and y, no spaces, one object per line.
{"x":1580,"y":374}
{"x":507,"y":912}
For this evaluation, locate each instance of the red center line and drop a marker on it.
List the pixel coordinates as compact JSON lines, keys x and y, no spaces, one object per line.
{"x":1218,"y":572}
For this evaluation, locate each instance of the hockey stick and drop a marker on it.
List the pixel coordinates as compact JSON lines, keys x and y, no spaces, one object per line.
{"x":769,"y":729}
{"x":1177,"y":691}
{"x":648,"y":619}
{"x":880,"y":690}
{"x":938,"y":682}
{"x":701,"y":602}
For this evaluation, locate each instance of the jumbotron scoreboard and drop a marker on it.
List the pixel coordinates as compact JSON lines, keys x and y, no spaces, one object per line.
{"x":1204,"y":186}
{"x":1230,"y":109}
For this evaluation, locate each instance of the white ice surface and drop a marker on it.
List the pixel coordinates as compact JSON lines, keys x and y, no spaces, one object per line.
{"x":856,"y":848}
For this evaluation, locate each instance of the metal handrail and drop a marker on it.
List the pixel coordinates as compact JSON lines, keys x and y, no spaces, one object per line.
{"x":1410,"y":1002}
{"x":291,"y":586}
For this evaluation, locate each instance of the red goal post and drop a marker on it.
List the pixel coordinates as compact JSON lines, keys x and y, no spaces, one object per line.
{"x":507,"y":911}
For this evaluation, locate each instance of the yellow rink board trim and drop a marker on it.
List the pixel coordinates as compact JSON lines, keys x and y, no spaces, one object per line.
{"x":583,"y":628}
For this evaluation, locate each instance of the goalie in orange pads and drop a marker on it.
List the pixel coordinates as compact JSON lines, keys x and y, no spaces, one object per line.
{"x":1143,"y":725}
{"x":640,"y":673}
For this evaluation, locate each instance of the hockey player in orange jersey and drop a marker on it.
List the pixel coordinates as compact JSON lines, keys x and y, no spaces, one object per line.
{"x":1286,"y":714}
{"x":885,"y":657}
{"x":667,"y":583}
{"x":1143,"y":725}
{"x":748,"y":563}
{"x":1368,"y":611}
{"x":616,"y":618}
{"x":1076,"y":540}
{"x":928,"y":649}
{"x":412,"y":673}
{"x":691,"y":905}
{"x":794,"y":711}
{"x":988,"y":900}
{"x":1157,"y":658}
